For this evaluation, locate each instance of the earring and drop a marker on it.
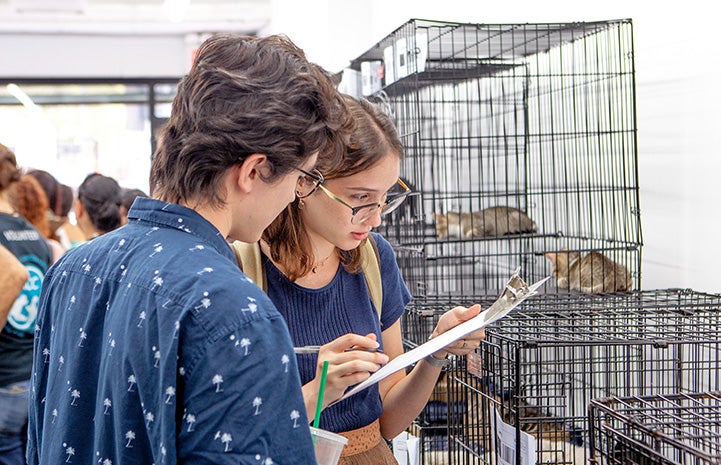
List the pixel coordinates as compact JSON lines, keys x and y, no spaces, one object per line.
{"x":301,"y":204}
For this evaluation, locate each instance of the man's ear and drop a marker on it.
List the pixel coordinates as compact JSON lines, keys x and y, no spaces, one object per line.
{"x":250,"y":171}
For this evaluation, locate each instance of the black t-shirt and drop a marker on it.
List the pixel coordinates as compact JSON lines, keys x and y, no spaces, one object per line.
{"x":16,"y":338}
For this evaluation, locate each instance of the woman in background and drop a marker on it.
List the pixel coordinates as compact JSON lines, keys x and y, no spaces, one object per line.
{"x":97,"y":207}
{"x":127,"y":197}
{"x":29,"y":199}
{"x":29,"y":247}
{"x":60,"y":201}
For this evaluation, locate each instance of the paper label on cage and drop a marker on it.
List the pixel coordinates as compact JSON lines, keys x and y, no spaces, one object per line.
{"x":390,"y":65}
{"x":421,"y":51}
{"x":371,"y":77}
{"x":505,"y":435}
{"x":401,"y":58}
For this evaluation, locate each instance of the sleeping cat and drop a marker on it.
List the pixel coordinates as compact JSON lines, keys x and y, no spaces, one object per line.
{"x":592,"y":273}
{"x":493,"y":221}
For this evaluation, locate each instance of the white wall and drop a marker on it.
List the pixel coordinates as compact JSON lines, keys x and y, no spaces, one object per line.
{"x":58,"y":56}
{"x":678,"y":97}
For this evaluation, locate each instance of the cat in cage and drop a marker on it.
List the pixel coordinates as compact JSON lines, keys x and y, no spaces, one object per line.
{"x":489,"y":222}
{"x":591,"y":273}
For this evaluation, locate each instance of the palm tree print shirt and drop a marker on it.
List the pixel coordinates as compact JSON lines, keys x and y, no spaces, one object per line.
{"x":152,"y":347}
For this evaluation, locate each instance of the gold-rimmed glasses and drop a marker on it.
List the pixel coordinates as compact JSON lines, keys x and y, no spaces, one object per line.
{"x":363,"y":212}
{"x":308,"y":183}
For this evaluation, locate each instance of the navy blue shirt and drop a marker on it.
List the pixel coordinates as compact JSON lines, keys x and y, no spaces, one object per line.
{"x":318,"y":316}
{"x":152,"y":347}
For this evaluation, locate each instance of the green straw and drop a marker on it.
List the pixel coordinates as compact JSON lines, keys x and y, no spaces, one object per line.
{"x":321,"y":391}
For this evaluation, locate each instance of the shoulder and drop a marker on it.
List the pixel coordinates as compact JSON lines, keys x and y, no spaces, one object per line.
{"x":384,"y":247}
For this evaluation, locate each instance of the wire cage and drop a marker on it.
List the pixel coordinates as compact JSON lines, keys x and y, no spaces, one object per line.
{"x":528,"y":133}
{"x":526,"y":390}
{"x":657,"y":430}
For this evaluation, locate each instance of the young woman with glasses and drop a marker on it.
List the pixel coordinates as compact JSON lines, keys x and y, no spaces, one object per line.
{"x":312,"y":262}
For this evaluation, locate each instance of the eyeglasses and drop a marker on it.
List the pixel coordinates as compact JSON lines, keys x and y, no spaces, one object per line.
{"x":308,"y":183}
{"x":363,"y":212}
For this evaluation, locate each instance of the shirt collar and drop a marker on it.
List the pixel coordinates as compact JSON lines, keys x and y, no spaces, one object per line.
{"x":174,"y":216}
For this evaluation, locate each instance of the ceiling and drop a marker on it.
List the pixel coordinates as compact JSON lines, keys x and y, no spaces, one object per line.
{"x":132,"y":17}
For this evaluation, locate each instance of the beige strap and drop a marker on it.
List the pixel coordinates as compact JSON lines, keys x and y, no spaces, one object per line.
{"x":250,"y":261}
{"x":371,"y":265}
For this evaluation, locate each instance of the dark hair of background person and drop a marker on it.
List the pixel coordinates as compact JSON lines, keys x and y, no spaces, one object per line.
{"x":60,"y":197}
{"x":29,"y":200}
{"x":243,"y":95}
{"x":373,"y":138}
{"x":9,"y":172}
{"x":100,"y":196}
{"x":128,"y":196}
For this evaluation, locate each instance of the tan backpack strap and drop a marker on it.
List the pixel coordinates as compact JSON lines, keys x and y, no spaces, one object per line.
{"x":250,"y":261}
{"x":371,"y":265}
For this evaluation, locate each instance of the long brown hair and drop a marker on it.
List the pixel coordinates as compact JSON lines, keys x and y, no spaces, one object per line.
{"x":29,"y":200}
{"x":372,"y":138}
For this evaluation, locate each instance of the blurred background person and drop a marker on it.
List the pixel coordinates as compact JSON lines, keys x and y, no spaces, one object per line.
{"x":28,"y":246}
{"x":29,"y":200}
{"x":127,"y":197}
{"x":97,"y":207}
{"x":60,"y":201}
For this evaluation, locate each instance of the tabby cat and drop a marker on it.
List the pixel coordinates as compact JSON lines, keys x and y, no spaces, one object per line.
{"x":592,"y":273}
{"x":493,"y":221}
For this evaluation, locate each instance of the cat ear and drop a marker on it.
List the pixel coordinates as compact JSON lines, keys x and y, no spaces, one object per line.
{"x":551,"y":256}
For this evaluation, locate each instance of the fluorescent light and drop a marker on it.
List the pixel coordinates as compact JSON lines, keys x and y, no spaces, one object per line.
{"x":22,"y":97}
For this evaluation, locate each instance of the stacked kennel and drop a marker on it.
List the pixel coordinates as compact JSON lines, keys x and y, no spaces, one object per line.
{"x":535,"y":117}
{"x":523,"y":396}
{"x":657,"y":430}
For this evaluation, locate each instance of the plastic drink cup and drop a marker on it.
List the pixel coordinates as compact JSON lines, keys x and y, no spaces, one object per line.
{"x":328,"y":446}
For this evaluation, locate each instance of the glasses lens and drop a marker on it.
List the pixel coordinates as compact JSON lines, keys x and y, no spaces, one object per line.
{"x":393,"y":203}
{"x":308,"y":184}
{"x":364,"y":213}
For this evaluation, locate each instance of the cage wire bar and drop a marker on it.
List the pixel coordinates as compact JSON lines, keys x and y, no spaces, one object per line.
{"x":659,"y":429}
{"x":540,"y":118}
{"x":532,"y":379}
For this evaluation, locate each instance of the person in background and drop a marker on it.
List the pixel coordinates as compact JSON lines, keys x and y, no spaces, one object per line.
{"x":97,"y":207}
{"x":311,"y":253}
{"x":151,"y":346}
{"x":13,"y":277}
{"x":127,"y":197}
{"x":21,"y":239}
{"x":60,"y":201}
{"x":30,"y":202}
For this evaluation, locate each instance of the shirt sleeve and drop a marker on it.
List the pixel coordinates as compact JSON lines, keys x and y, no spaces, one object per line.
{"x":395,"y":292}
{"x":242,"y":395}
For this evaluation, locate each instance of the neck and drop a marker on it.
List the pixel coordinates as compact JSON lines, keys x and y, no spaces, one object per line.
{"x":5,"y":206}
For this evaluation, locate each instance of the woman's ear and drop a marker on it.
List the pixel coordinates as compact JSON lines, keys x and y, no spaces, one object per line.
{"x":79,"y":209}
{"x":250,"y":171}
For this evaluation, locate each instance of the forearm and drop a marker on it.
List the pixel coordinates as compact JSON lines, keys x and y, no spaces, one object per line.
{"x":14,"y":276}
{"x":406,"y":399}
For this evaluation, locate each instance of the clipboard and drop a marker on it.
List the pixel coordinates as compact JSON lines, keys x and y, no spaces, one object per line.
{"x":515,"y":291}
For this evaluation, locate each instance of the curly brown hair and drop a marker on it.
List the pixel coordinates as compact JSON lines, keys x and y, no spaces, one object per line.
{"x":29,"y":200}
{"x":243,"y":95}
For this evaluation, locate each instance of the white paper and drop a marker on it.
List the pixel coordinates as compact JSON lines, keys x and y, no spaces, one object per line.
{"x":511,"y":297}
{"x":506,"y":443}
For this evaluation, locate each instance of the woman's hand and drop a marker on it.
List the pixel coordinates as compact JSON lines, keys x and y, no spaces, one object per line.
{"x":453,"y":318}
{"x":351,"y":360}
